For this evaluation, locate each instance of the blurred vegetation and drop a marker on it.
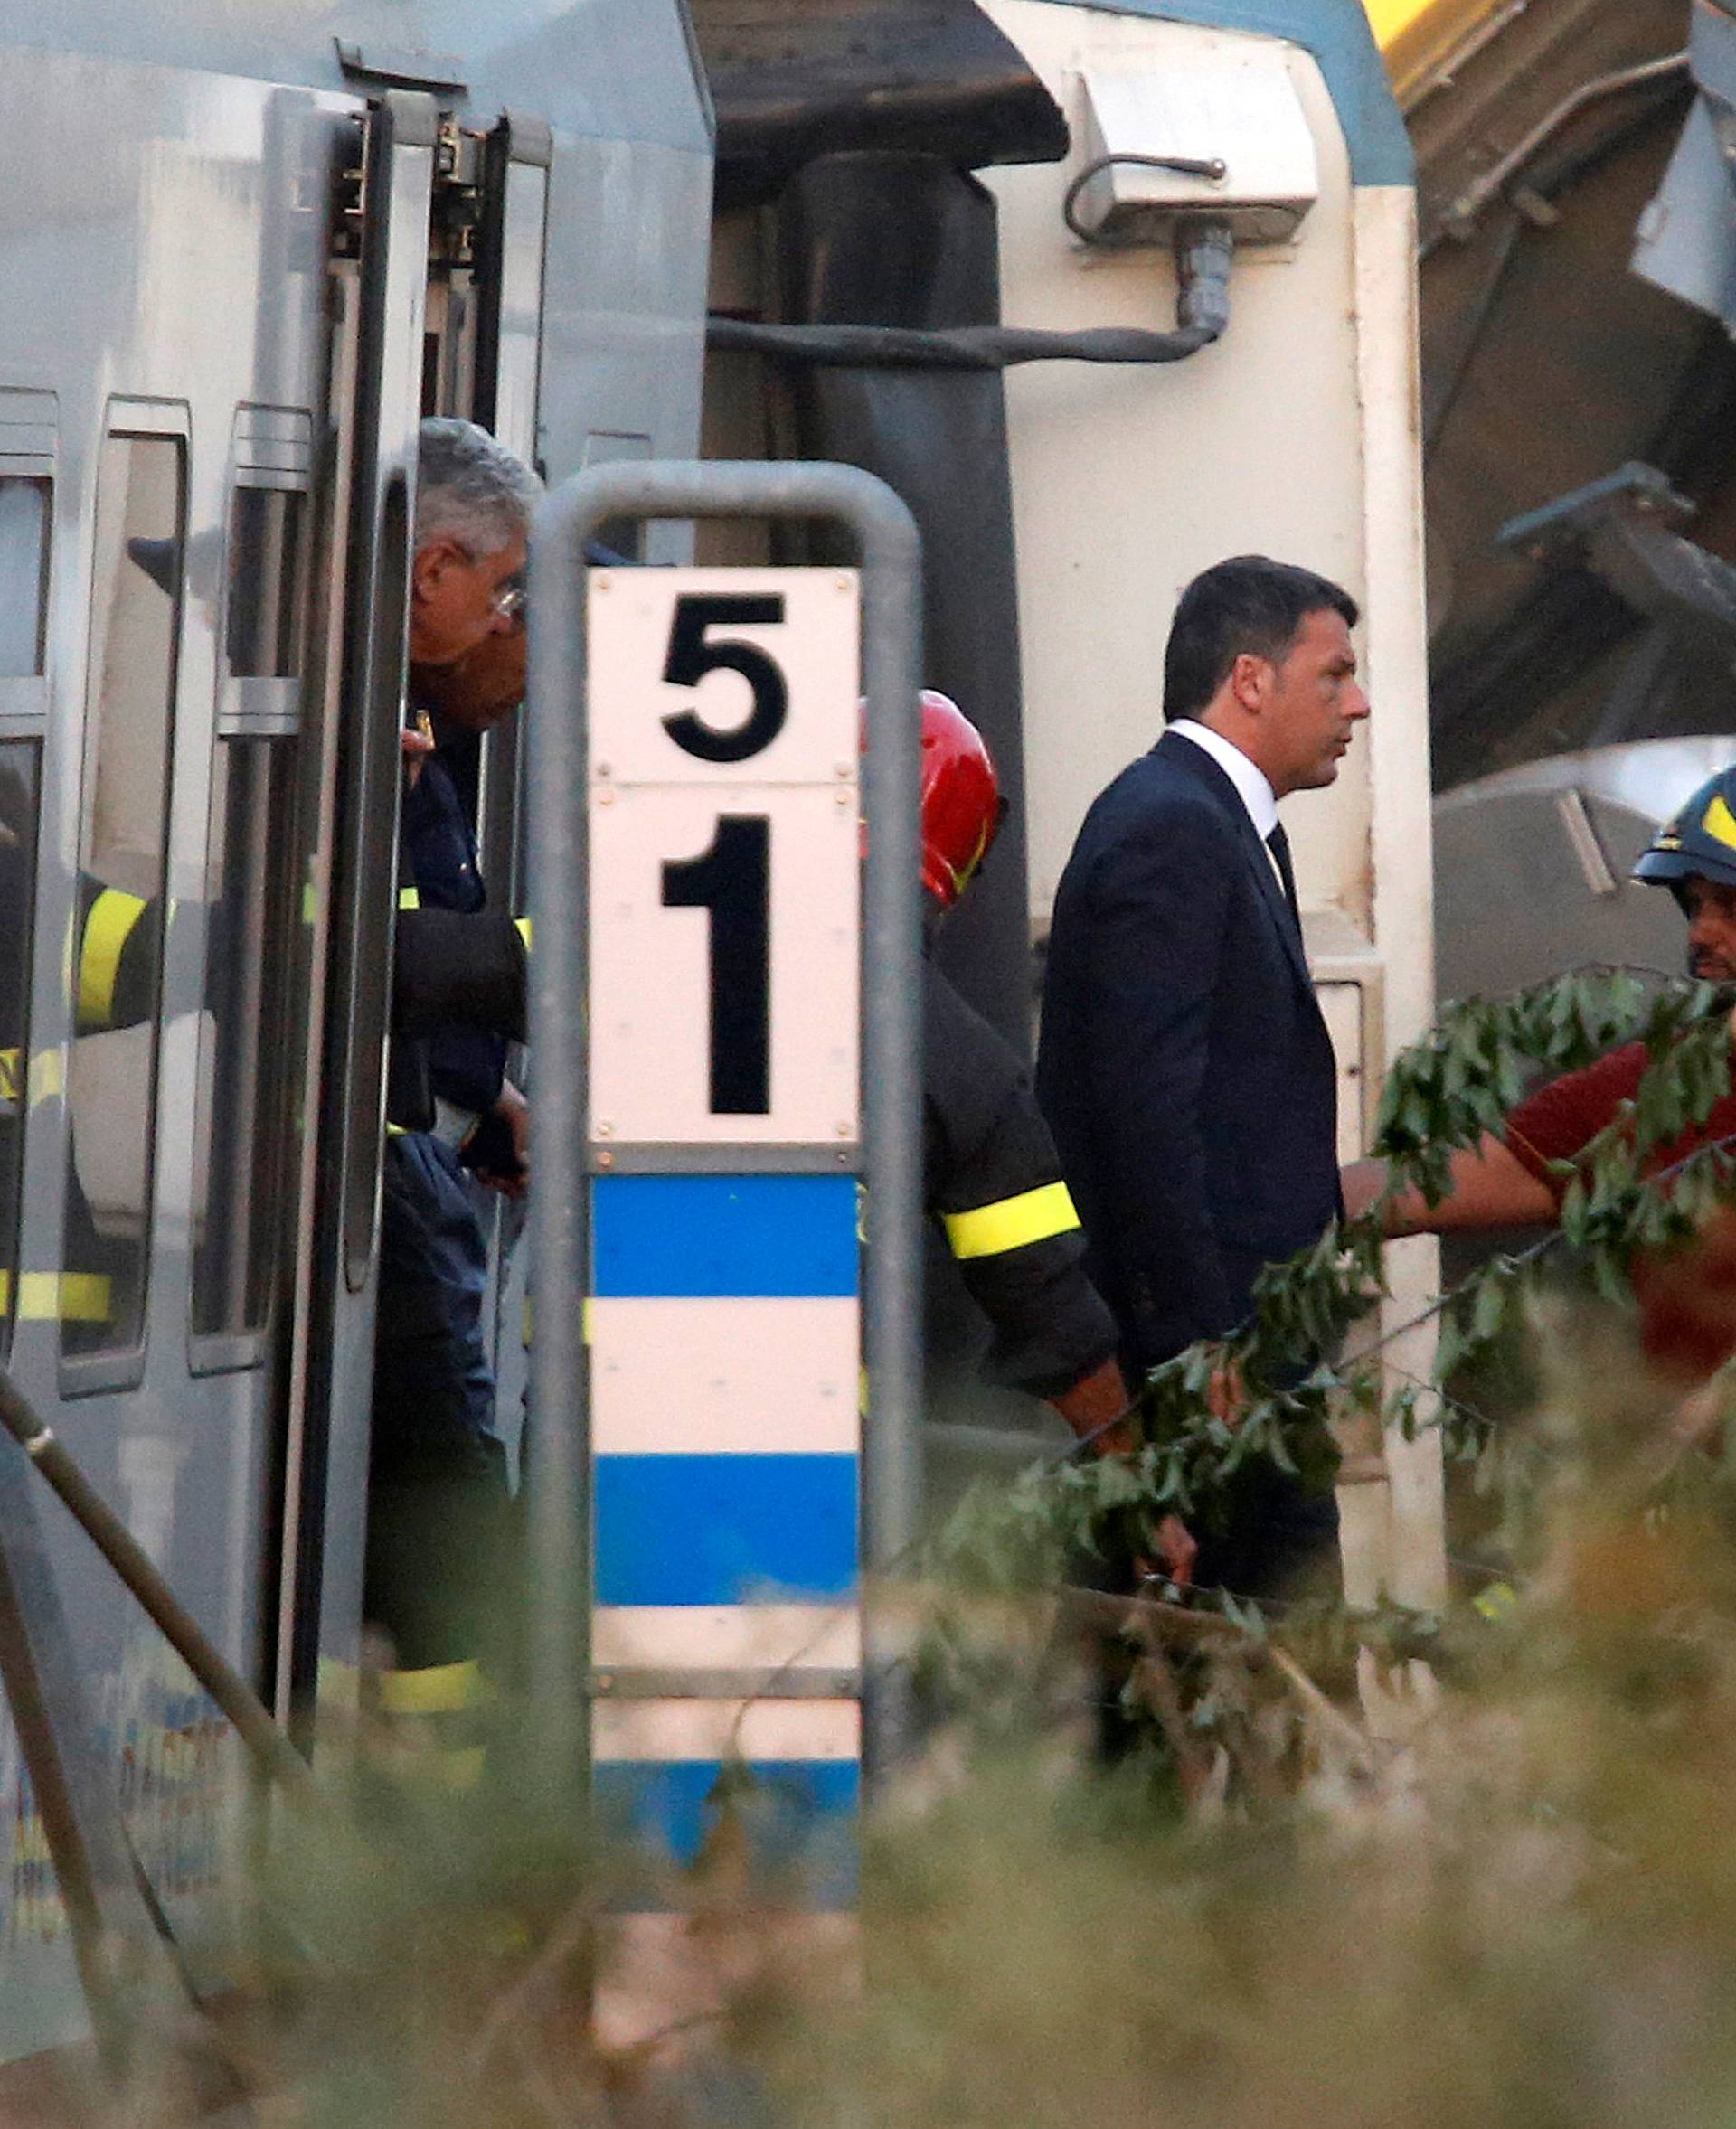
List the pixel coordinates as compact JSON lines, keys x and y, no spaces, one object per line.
{"x":1371,"y":1870}
{"x":1508,"y":1892}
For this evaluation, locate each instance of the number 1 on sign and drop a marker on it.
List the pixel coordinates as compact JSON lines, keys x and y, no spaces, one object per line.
{"x":733,"y":881}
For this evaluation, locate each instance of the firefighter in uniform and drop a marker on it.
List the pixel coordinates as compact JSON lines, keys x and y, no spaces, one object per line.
{"x":1519,"y":1175}
{"x":991,"y":1175}
{"x":471,"y":969}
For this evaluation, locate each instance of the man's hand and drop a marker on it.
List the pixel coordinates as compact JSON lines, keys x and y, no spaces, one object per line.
{"x":416,"y":746}
{"x":1177,"y":1549}
{"x":1489,"y":1186}
{"x":1363,"y":1184}
{"x":1226,"y":1395}
{"x":1696,"y":1420}
{"x":515,"y":1112}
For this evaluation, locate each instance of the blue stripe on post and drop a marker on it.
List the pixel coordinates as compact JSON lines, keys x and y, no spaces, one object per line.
{"x":727,"y":1236}
{"x":717,"y":1530}
{"x":798,"y":1814}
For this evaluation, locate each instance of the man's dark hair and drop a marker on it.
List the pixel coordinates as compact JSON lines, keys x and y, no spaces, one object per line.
{"x":1249,"y":605}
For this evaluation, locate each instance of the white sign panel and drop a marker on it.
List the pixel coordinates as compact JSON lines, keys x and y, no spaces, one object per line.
{"x":725,"y":856}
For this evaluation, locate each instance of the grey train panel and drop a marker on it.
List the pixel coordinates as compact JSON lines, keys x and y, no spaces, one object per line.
{"x":625,"y":304}
{"x":623,"y":351}
{"x":176,"y":262}
{"x":1531,"y":866}
{"x":619,"y":68}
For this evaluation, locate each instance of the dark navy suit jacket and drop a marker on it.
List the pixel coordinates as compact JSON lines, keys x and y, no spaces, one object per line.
{"x":1184,"y":1067}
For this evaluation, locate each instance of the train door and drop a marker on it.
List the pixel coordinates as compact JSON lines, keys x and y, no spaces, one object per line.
{"x":485,"y":346}
{"x":436,"y":291}
{"x":162,"y":411}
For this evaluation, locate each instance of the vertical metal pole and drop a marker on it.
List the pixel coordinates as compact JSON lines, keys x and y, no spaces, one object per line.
{"x":559,"y":1461}
{"x":892,"y":1071}
{"x":892,"y":1005}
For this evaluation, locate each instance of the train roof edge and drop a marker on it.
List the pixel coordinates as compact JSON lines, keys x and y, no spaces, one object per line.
{"x":608,"y":68}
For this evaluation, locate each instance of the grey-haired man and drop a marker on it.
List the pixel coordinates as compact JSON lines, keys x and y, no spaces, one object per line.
{"x":438,"y":1474}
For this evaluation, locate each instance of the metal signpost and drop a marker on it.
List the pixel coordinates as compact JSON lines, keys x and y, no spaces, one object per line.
{"x":726,"y":1024}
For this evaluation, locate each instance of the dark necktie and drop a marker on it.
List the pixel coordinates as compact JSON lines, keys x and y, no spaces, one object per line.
{"x":1278,"y":844}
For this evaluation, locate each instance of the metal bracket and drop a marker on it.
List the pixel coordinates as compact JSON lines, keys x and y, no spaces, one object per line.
{"x":1625,"y":528}
{"x":389,"y":67}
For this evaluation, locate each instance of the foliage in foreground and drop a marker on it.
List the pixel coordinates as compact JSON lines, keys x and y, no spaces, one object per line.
{"x":1508,"y":1895}
{"x":1512,"y":1898}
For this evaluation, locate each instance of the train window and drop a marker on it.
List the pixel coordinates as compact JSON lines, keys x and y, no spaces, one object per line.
{"x":117,"y":946}
{"x":19,"y":1084}
{"x":245,"y":1053}
{"x":23,"y":575}
{"x":267,"y":529}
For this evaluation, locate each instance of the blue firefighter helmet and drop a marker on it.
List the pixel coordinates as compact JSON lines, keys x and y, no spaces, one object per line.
{"x":1699,"y":841}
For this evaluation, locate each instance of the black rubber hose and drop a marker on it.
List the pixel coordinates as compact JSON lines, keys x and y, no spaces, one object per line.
{"x":960,"y":347}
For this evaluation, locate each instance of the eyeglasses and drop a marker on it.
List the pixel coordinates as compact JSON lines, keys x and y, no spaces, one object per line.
{"x":508,"y":602}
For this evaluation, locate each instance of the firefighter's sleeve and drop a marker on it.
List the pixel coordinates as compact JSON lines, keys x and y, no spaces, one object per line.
{"x":453,"y":970}
{"x":116,"y":952}
{"x":993,"y":1181}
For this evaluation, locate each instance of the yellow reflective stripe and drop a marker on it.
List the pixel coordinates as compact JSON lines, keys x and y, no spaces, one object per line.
{"x":46,"y":1078}
{"x":1012,"y":1223}
{"x":409,"y":898}
{"x":443,"y":1688}
{"x":521,"y":925}
{"x":57,"y":1297}
{"x":309,"y":902}
{"x":397,"y":1130}
{"x":1496,"y":1602}
{"x":107,"y":929}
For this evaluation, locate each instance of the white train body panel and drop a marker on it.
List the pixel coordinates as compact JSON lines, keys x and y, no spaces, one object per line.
{"x":1294,"y":435}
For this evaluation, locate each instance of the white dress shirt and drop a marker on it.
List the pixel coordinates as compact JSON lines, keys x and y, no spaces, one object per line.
{"x":1255,"y":793}
{"x":1251,"y":787}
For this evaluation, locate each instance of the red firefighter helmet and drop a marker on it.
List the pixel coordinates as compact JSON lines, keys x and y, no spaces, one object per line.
{"x":961,"y":798}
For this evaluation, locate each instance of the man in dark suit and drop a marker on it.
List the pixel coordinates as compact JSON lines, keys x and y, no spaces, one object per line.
{"x":1184,"y":1067}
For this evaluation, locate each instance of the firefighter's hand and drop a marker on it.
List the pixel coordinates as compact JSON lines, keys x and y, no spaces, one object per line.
{"x":1096,"y":1409}
{"x":415,"y":746}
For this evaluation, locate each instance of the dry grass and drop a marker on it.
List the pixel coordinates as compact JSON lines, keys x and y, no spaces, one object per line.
{"x":1523,"y":1912}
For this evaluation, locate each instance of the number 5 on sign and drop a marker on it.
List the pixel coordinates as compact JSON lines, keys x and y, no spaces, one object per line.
{"x":724,"y":857}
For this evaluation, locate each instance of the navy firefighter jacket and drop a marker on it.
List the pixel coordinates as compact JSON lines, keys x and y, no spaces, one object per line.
{"x":992,"y":1178}
{"x":439,"y":865}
